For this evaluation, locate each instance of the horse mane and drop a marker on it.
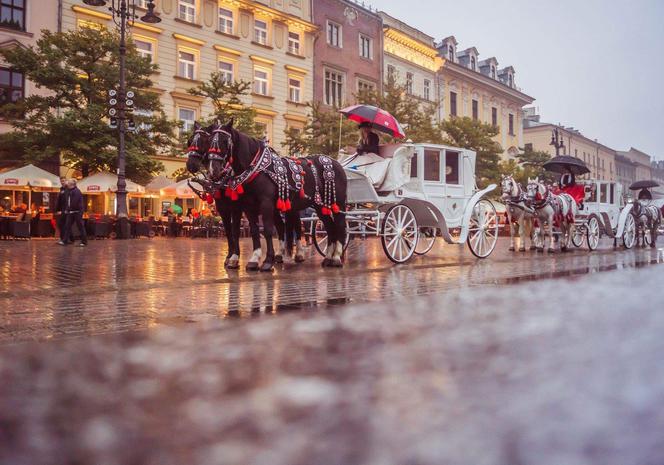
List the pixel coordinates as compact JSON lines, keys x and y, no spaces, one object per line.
{"x":244,"y":148}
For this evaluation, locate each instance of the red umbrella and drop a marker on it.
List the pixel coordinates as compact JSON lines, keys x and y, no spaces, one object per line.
{"x":379,"y":119}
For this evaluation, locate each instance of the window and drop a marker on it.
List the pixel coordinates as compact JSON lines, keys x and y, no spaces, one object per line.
{"x":294,"y":86}
{"x":493,"y":72}
{"x":142,"y":3}
{"x":142,"y":125}
{"x":12,"y":86}
{"x":294,"y":43}
{"x":187,"y":10}
{"x":452,"y":167}
{"x":473,"y":63}
{"x":226,"y":71}
{"x":528,"y":147}
{"x":334,"y":34}
{"x":225,"y":21}
{"x":186,"y":65}
{"x":260,"y":32}
{"x":187,"y":117}
{"x":511,"y":124}
{"x":450,"y":52}
{"x":510,"y":80}
{"x":391,"y":72}
{"x":409,"y":83}
{"x":265,"y":127}
{"x":612,"y":193}
{"x":334,"y":82}
{"x":261,"y":81}
{"x":413,"y":167}
{"x":12,"y":14}
{"x":365,"y":86}
{"x":494,"y":116}
{"x":476,"y":110}
{"x":432,"y":165}
{"x":145,"y":48}
{"x":453,"y":104}
{"x":366,"y":47}
{"x":427,"y":89}
{"x":603,"y":193}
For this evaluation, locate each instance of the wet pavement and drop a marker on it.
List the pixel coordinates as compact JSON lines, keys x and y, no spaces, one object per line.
{"x":553,"y":372}
{"x":50,"y":292}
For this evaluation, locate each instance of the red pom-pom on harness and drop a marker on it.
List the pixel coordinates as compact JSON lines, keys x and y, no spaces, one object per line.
{"x":217,"y":194}
{"x":302,"y":193}
{"x":326,"y":211}
{"x":287,"y":205}
{"x":209,"y":199}
{"x":280,"y":205}
{"x":335,"y":208}
{"x":193,"y":148}
{"x":240,"y":189}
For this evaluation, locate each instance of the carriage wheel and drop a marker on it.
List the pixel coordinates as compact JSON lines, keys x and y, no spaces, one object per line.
{"x":483,"y":232}
{"x":319,"y":237}
{"x":647,"y":236}
{"x":577,"y":237}
{"x":592,"y":233}
{"x":426,"y":241}
{"x":629,"y":235}
{"x":399,"y":234}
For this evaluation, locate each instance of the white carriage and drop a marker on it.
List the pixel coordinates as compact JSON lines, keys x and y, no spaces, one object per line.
{"x":603,"y":213}
{"x":439,"y":198}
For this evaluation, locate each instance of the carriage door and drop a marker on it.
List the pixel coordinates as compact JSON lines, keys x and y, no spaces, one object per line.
{"x":434,"y":188}
{"x":455,"y":198}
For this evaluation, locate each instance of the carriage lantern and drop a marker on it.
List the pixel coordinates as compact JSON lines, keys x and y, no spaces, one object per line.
{"x":121,"y":101}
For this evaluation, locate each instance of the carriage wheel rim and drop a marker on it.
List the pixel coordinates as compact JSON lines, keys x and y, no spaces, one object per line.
{"x":629,"y":236}
{"x":400,"y":234}
{"x":427,"y":242}
{"x":593,"y":233}
{"x":483,"y":231}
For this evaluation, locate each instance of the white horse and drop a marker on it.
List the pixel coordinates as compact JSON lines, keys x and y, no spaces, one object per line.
{"x":552,"y":210}
{"x":519,"y":214}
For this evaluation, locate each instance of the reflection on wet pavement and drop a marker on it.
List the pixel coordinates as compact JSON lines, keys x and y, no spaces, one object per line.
{"x":112,"y":286}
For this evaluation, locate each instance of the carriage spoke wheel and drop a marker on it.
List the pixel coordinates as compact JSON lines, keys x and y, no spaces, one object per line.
{"x":483,"y":231}
{"x":577,"y":237}
{"x":426,"y":241}
{"x":319,"y":237}
{"x":629,"y":235}
{"x":592,"y":233}
{"x":399,"y":234}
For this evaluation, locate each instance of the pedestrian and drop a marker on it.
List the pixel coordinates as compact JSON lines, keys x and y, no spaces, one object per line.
{"x":59,"y":208}
{"x":73,"y":208}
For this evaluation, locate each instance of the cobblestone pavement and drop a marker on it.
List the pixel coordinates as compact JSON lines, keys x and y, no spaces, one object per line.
{"x":554,"y":372}
{"x":49,"y":292}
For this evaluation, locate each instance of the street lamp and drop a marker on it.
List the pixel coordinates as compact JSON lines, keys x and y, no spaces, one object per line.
{"x":557,"y":141}
{"x":124,"y":15}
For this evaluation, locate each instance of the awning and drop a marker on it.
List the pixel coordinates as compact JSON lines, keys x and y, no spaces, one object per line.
{"x":106,"y":182}
{"x":27,"y":177}
{"x":179,"y":189}
{"x":158,"y":183}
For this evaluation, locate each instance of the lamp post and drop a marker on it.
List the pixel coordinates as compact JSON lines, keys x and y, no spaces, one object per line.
{"x":124,"y":15}
{"x":557,"y":141}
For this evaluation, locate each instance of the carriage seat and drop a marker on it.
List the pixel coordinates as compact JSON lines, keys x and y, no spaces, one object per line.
{"x":577,"y":192}
{"x":388,"y":170}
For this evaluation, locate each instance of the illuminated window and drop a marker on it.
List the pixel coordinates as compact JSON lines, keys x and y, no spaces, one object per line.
{"x":145,"y":48}
{"x":294,"y":43}
{"x":260,"y":32}
{"x":261,"y":81}
{"x":187,"y":10}
{"x":294,"y":86}
{"x":334,"y":85}
{"x":12,"y":14}
{"x":186,"y":65}
{"x":334,"y":34}
{"x":427,"y":90}
{"x":225,"y":21}
{"x":366,"y":47}
{"x":12,"y":86}
{"x":187,"y":116}
{"x":226,"y":71}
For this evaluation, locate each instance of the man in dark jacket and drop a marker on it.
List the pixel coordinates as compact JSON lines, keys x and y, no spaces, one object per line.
{"x":73,"y":209}
{"x":60,"y":207}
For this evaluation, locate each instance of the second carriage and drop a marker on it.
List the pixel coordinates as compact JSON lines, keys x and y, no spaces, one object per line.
{"x":439,"y":198}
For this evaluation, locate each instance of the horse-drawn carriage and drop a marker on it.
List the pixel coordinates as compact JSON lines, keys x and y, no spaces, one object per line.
{"x":439,"y":198}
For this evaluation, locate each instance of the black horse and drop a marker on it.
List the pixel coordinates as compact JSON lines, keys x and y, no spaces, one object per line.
{"x":270,"y":181}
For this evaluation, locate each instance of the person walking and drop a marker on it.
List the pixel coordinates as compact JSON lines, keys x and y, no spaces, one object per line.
{"x":60,"y":208}
{"x":73,"y":208}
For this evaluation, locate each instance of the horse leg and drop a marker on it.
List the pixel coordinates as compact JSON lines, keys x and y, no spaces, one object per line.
{"x":339,"y":224}
{"x":268,"y":215}
{"x":227,"y":220}
{"x":522,"y":233}
{"x":254,"y":231}
{"x":512,"y":233}
{"x":234,"y":238}
{"x":328,"y":224}
{"x":552,"y":240}
{"x":282,"y":230}
{"x":297,"y":226}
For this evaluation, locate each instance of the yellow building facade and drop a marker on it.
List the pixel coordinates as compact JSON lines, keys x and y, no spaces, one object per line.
{"x":268,"y":43}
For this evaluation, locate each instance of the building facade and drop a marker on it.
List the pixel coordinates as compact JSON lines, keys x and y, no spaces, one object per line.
{"x":410,"y":57}
{"x":657,"y":168}
{"x":481,"y":91}
{"x":268,"y":43}
{"x":347,"y":51}
{"x":600,"y":159}
{"x":625,"y":172}
{"x":641,"y":161}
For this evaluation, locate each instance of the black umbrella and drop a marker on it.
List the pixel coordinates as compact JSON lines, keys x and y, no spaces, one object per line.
{"x":562,"y":163}
{"x":638,"y":185}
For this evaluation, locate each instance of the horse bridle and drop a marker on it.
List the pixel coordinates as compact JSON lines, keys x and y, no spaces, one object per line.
{"x":214,"y":153}
{"x":538,"y":205}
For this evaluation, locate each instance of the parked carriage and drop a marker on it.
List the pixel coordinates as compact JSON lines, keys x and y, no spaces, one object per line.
{"x":439,"y":199}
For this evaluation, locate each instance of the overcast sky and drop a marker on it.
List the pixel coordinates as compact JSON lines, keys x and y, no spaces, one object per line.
{"x":597,"y":65}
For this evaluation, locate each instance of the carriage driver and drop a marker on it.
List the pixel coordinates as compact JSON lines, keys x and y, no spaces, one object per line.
{"x":368,"y":140}
{"x":567,"y":179}
{"x":645,"y":194}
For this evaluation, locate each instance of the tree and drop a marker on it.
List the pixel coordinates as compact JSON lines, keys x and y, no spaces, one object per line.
{"x":226,"y":98}
{"x":532,"y":162}
{"x":473,"y":134}
{"x":77,"y":68}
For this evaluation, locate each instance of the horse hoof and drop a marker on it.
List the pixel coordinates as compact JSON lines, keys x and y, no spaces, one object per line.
{"x":550,"y":250}
{"x":326,"y":262}
{"x":278,"y":259}
{"x":299,"y":258}
{"x":233,"y":265}
{"x":251,"y":266}
{"x":522,"y":249}
{"x":563,"y":249}
{"x":511,"y":249}
{"x":532,"y":247}
{"x":266,"y":267}
{"x":336,"y":263}
{"x":540,"y":249}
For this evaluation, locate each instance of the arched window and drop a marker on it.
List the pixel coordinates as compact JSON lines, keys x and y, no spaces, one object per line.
{"x":451,"y":52}
{"x":473,"y":65}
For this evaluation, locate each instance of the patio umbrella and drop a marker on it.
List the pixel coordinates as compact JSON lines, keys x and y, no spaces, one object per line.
{"x":179,"y":189}
{"x":29,"y":176}
{"x":379,"y":119}
{"x":177,"y":209}
{"x":562,"y":163}
{"x":107,"y":182}
{"x":638,"y":185}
